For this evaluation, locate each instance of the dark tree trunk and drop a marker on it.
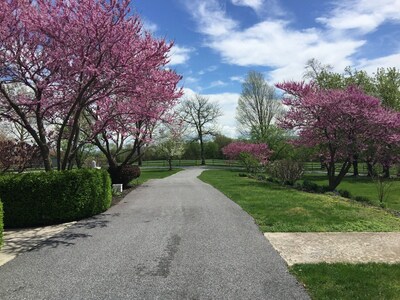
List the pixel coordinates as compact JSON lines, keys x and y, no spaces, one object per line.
{"x":45,"y":154}
{"x":203,"y":159}
{"x":334,"y":180}
{"x":139,"y":156}
{"x":386,"y":172}
{"x":355,"y":166}
{"x":370,"y":169}
{"x":170,"y":163}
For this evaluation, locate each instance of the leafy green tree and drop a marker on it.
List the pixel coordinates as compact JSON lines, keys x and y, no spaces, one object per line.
{"x":387,"y":83}
{"x":221,"y":141}
{"x":258,"y":107}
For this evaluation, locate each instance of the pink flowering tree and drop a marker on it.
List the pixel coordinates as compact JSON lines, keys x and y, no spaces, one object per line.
{"x":250,"y":155}
{"x":71,"y":60}
{"x":342,"y":123}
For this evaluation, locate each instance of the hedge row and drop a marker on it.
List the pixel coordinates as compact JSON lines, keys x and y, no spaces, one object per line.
{"x":1,"y":224}
{"x":46,"y":198}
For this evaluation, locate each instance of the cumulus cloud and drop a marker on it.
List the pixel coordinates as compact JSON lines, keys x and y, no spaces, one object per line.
{"x":371,"y":65}
{"x":211,"y":17}
{"x":179,"y":55}
{"x":362,"y":15}
{"x":254,"y":4}
{"x":276,"y":44}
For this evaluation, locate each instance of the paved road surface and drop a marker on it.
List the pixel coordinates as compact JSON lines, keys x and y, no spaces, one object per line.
{"x":175,"y":238}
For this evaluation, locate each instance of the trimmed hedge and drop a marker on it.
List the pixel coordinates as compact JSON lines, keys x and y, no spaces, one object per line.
{"x":1,"y":224}
{"x":46,"y":198}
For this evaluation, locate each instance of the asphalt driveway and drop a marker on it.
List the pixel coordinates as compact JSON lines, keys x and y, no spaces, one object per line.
{"x":173,"y":238}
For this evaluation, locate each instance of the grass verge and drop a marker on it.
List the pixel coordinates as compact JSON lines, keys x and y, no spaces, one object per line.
{"x":348,"y":281}
{"x":279,"y":209}
{"x":364,"y":186}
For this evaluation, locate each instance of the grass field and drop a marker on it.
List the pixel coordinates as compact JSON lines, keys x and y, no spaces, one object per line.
{"x":279,"y":209}
{"x":350,"y":281}
{"x":364,"y":186}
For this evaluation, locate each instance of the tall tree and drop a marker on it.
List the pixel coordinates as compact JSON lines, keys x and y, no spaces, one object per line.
{"x":341,"y":122}
{"x":201,"y":115}
{"x":73,"y":58}
{"x":257,"y":107}
{"x":387,"y":83}
{"x":384,"y":84}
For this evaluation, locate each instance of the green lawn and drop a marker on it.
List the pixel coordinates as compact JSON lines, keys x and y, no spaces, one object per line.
{"x":348,"y":281}
{"x":364,"y":186}
{"x":279,"y":209}
{"x":147,"y":174}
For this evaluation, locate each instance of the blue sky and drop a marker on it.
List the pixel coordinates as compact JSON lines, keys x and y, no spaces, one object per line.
{"x":217,"y":42}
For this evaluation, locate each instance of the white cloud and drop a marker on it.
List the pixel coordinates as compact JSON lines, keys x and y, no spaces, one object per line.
{"x":371,"y":65}
{"x":237,"y":78}
{"x":276,"y":44}
{"x":216,"y":83}
{"x":254,"y":4}
{"x":362,"y":15}
{"x":179,"y":55}
{"x":208,"y":70}
{"x":190,"y":79}
{"x":228,"y":103}
{"x":149,"y":26}
{"x":211,"y":18}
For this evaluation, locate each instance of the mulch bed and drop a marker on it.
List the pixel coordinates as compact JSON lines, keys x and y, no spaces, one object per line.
{"x":117,"y":198}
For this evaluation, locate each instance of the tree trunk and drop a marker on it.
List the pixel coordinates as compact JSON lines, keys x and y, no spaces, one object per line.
{"x":386,"y":171}
{"x":370,"y":168}
{"x":45,"y":154}
{"x":139,"y":156}
{"x":355,"y":166}
{"x":170,"y":163}
{"x":330,"y":167}
{"x":334,"y":181}
{"x":203,"y":159}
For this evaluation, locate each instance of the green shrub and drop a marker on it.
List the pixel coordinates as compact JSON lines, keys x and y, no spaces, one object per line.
{"x":124,"y":174}
{"x":34,"y":199}
{"x":286,"y":171}
{"x":242,"y":175}
{"x":362,"y":199}
{"x":261,"y":177}
{"x":344,"y":194}
{"x":1,"y":224}
{"x":312,"y":187}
